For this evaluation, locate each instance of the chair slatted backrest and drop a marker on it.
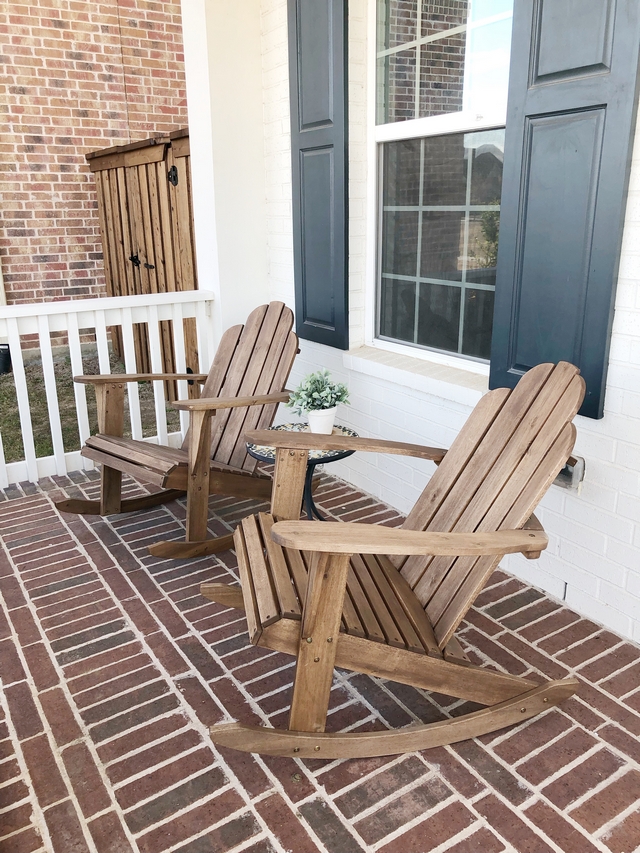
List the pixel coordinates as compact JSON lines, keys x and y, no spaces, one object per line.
{"x":254,"y":358}
{"x":497,"y":470}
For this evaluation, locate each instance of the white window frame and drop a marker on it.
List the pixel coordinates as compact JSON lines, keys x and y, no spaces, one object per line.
{"x":458,"y":122}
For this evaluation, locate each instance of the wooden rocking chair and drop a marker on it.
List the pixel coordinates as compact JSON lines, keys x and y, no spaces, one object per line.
{"x":386,"y":602}
{"x":243,"y":388}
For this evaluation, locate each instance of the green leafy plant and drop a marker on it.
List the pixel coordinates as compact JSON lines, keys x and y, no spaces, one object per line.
{"x":317,"y":391}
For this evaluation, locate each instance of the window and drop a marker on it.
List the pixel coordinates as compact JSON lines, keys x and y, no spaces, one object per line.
{"x":442,"y":67}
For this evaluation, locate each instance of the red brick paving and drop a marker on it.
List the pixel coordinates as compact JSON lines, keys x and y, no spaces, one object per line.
{"x":113,"y":667}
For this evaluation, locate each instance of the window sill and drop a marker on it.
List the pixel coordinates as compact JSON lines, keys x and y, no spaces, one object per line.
{"x":450,"y":383}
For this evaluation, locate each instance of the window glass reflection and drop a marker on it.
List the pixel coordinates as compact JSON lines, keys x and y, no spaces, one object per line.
{"x":460,"y":48}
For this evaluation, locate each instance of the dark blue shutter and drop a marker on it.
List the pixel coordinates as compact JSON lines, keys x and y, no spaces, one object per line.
{"x":570,"y":124}
{"x":317,"y":73}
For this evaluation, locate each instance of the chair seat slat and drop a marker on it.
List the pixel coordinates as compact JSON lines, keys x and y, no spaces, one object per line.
{"x":287,"y":599}
{"x":268,"y":606}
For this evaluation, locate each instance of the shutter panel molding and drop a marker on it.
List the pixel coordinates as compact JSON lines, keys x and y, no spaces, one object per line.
{"x":570,"y":124}
{"x":318,"y":81}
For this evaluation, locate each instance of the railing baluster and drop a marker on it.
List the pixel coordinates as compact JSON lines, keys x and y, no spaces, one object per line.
{"x":130,"y":366}
{"x":204,"y":328}
{"x":48,"y":372}
{"x":101,"y":342}
{"x":22,"y":395}
{"x":4,"y":476}
{"x":181,"y":363}
{"x":155,"y":350}
{"x":79,"y":390}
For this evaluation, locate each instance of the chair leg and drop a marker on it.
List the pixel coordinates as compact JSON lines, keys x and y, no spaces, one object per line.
{"x":110,"y":406}
{"x":317,"y":649}
{"x":196,"y":544}
{"x":110,"y":491}
{"x":198,"y":482}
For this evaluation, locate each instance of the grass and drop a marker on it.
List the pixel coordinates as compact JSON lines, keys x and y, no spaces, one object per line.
{"x":10,"y":428}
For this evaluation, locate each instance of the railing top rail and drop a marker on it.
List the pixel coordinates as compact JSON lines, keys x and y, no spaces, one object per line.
{"x":107,"y":303}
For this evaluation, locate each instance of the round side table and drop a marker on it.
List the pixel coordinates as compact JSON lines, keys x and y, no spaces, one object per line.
{"x":316,"y":457}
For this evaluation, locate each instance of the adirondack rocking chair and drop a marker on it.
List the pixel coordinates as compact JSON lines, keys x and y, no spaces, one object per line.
{"x":242,"y":389}
{"x":386,"y":602}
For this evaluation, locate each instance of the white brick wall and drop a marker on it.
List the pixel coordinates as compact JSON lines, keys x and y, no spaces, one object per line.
{"x":594,"y":556}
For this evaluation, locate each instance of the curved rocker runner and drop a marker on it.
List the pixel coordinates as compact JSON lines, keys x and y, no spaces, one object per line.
{"x":386,"y":602}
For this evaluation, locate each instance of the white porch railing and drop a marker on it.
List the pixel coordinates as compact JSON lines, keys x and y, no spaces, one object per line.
{"x":71,"y":317}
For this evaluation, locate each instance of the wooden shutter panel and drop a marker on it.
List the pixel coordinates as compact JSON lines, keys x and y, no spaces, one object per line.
{"x":570,"y":124}
{"x":317,"y":73}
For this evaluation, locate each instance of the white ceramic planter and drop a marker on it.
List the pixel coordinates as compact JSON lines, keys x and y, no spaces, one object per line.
{"x":321,"y":420}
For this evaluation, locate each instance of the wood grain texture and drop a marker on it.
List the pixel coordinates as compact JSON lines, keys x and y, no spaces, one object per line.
{"x":302,"y":744}
{"x":110,"y":405}
{"x":206,"y":403}
{"x":474,"y":684}
{"x":315,"y":441}
{"x":198,"y":482}
{"x":101,"y":378}
{"x":254,"y":624}
{"x":262,"y":587}
{"x":353,"y":538}
{"x":244,"y":385}
{"x":169,"y":550}
{"x":222,"y":593}
{"x":85,"y":507}
{"x":288,"y":483}
{"x":318,"y":642}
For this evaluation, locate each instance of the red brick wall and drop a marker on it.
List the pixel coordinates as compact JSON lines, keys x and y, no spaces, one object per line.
{"x":78,"y":76}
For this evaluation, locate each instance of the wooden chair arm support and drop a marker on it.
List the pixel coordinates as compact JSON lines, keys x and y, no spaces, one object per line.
{"x":316,"y":441}
{"x":354,"y":538}
{"x":209,"y":403}
{"x":107,"y":378}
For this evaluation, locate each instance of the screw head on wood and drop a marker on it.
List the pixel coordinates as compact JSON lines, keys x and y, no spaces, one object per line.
{"x":309,"y":639}
{"x":316,"y":660}
{"x":522,"y":710}
{"x":316,"y":749}
{"x":296,"y":749}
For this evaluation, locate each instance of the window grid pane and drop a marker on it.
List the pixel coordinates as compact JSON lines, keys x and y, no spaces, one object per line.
{"x":440,"y":225}
{"x":441,"y":56}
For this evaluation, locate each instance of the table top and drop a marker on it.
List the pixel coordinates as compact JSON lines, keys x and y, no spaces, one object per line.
{"x":268,"y":454}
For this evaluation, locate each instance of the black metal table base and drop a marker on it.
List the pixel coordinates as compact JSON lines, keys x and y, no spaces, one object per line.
{"x":307,"y":499}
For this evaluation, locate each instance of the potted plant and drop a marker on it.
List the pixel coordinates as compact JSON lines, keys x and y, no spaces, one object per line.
{"x":317,"y":396}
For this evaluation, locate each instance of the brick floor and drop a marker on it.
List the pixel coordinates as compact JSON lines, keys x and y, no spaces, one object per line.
{"x":113,"y":666}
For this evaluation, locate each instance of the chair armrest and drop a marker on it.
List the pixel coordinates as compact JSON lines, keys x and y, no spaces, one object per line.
{"x":354,"y":538}
{"x":316,"y":441}
{"x":106,"y":378}
{"x":208,"y":403}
